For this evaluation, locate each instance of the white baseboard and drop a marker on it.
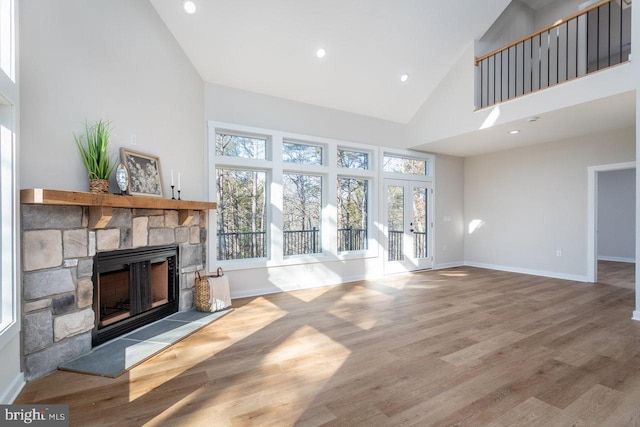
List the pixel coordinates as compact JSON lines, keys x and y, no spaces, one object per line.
{"x":636,"y":315}
{"x":616,"y":259}
{"x":448,"y":265}
{"x":11,"y":392}
{"x":247,"y":293}
{"x":543,"y":273}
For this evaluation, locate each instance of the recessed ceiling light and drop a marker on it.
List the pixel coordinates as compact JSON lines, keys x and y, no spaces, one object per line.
{"x":514,"y":132}
{"x":189,"y":6}
{"x":533,"y":119}
{"x":404,"y":77}
{"x":320,"y":53}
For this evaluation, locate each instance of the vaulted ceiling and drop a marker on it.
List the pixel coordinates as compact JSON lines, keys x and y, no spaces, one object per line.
{"x":269,"y":47}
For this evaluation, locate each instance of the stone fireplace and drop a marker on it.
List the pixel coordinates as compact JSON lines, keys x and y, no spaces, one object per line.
{"x":59,"y":246}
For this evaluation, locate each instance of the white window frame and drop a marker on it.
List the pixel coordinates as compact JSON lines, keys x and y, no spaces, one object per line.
{"x":275,"y":164}
{"x":9,"y":212}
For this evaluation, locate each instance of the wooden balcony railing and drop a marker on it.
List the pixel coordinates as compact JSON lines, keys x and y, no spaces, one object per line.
{"x":590,"y":40}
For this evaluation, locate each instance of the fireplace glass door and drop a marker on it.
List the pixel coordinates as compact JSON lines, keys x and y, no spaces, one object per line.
{"x":132,"y":288}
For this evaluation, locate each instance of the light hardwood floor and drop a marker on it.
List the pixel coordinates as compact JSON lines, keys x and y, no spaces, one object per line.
{"x":462,"y":346}
{"x":621,"y":274}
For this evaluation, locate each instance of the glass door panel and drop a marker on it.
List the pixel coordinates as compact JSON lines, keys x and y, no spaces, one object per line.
{"x":408,"y":225}
{"x":395,"y":222}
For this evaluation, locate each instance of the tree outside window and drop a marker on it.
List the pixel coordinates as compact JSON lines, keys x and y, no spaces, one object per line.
{"x":302,"y":214}
{"x":352,"y":214}
{"x":241,"y":214}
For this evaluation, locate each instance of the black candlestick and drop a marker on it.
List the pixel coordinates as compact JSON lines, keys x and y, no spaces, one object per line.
{"x":179,"y":195}
{"x":172,"y":196}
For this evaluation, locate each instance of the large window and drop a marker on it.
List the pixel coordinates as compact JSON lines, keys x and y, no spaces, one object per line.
{"x":288,"y":199}
{"x":242,"y":209}
{"x":353,"y":206}
{"x":302,"y":214}
{"x":9,"y":105}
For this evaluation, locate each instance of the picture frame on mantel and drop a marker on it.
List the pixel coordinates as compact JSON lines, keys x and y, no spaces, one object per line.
{"x":145,"y":177}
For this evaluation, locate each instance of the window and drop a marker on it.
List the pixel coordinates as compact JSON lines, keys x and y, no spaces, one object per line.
{"x":287,"y":199}
{"x":9,"y":272}
{"x":247,"y":147}
{"x":405,"y":165}
{"x":353,"y":159}
{"x":353,"y":195}
{"x":301,"y":153}
{"x":302,"y":214}
{"x":242,"y":213}
{"x":7,"y":42}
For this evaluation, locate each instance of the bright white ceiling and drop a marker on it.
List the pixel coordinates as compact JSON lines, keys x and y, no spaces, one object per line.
{"x":613,"y":112}
{"x":269,"y":47}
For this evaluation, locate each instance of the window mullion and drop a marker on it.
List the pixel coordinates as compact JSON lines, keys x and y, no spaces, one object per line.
{"x":276,"y":201}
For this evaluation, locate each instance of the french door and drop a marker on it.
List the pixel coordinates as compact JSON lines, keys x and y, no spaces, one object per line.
{"x":408,"y":225}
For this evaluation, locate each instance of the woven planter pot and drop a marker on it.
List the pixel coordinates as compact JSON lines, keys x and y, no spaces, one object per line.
{"x":99,"y":186}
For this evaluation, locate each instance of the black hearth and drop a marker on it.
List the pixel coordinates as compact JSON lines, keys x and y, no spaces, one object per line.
{"x":132,"y":288}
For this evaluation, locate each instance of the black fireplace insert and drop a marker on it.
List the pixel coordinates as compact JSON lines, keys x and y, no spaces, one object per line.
{"x":132,"y":288}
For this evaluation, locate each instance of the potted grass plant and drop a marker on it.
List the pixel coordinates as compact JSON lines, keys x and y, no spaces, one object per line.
{"x":93,"y":149}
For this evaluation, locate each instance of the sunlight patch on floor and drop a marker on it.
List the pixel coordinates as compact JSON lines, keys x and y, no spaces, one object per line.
{"x":169,"y":414}
{"x":298,"y":367}
{"x":181,"y":357}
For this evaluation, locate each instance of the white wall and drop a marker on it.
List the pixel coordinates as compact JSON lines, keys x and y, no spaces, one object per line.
{"x":449,"y":215}
{"x":531,"y":202}
{"x":617,"y":215}
{"x":558,"y":9}
{"x":515,"y":22}
{"x":113,"y":60}
{"x":225,"y":104}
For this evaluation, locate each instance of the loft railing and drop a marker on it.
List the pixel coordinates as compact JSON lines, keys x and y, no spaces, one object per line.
{"x":590,"y":40}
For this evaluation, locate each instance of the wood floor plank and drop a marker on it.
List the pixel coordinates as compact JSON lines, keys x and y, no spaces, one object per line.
{"x":460,"y":346}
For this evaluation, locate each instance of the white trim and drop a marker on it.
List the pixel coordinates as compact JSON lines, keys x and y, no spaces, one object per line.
{"x":541,"y":273}
{"x":271,"y":290}
{"x":592,"y":218}
{"x":449,"y":265}
{"x":636,"y":315}
{"x":616,"y":259}
{"x":13,"y":389}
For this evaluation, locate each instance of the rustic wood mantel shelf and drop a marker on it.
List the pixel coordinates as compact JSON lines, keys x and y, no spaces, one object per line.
{"x":100,"y":205}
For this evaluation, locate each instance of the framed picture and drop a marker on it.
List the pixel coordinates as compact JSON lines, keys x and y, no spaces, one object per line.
{"x":144,"y":173}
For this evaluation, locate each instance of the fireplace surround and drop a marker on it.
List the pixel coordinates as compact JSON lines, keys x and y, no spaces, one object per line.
{"x":63,"y":232}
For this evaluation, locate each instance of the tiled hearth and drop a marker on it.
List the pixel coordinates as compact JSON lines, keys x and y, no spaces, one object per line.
{"x":58,"y":247}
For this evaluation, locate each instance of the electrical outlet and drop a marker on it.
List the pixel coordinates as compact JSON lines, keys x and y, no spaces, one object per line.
{"x":558,"y":252}
{"x":134,"y":139}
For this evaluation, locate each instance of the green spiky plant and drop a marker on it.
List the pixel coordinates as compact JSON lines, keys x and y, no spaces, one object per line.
{"x":93,"y":149}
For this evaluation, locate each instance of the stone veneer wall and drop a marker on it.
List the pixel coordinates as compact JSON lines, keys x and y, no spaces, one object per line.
{"x":57,"y":264}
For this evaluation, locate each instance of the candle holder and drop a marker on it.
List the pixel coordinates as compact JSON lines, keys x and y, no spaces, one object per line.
{"x":172,"y":196}
{"x":179,"y":195}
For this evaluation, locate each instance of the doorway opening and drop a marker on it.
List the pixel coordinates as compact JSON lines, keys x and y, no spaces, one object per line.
{"x":611,"y":224}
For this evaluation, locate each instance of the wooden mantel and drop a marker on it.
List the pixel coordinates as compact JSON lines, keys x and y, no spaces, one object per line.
{"x":100,"y":205}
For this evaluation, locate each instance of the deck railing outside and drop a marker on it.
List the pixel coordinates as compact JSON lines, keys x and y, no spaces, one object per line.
{"x":593,"y":39}
{"x":242,"y":245}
